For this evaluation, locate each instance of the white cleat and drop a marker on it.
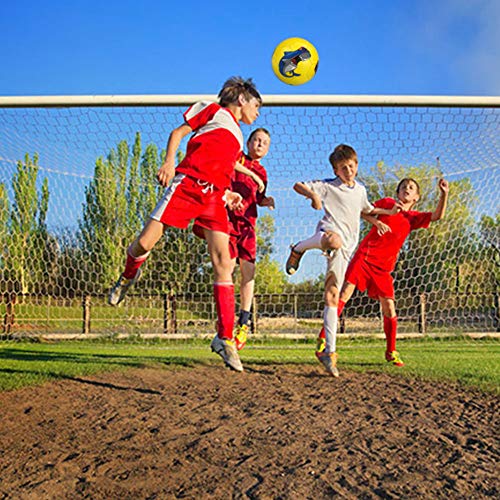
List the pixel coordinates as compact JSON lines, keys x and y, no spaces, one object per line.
{"x":226,"y":349}
{"x":329,"y":361}
{"x":121,"y":287}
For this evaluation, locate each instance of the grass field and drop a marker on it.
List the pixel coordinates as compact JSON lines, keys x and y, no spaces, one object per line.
{"x":463,"y":360}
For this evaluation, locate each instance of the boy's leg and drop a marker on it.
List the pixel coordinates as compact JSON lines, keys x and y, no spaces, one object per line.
{"x":223,"y":344}
{"x":247,"y":285}
{"x":297,"y":251}
{"x":390,"y":330}
{"x":218,"y":247}
{"x":345,"y":295}
{"x":137,"y":253}
{"x":328,"y":358}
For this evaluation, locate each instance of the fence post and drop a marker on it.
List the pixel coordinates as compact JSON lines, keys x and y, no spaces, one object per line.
{"x":422,"y":326}
{"x":10,"y":313}
{"x":173,"y":310}
{"x":342,"y":323}
{"x":295,"y":312}
{"x":86,"y":314}
{"x":496,"y":319}
{"x":254,"y":314}
{"x":166,"y":313}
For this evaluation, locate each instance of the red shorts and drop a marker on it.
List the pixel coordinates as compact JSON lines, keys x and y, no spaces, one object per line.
{"x":365,"y":276}
{"x":242,"y":241}
{"x":188,"y":199}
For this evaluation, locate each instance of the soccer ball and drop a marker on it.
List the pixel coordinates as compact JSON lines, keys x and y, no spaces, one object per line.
{"x":295,"y":61}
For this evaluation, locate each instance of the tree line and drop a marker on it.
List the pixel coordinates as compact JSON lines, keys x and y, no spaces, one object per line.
{"x":452,"y":256}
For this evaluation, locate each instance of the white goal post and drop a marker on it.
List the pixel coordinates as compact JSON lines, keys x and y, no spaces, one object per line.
{"x":77,"y":182}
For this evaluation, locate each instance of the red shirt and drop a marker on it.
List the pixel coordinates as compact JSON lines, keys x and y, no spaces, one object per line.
{"x":215,"y":145}
{"x":247,"y":187}
{"x":382,"y":250}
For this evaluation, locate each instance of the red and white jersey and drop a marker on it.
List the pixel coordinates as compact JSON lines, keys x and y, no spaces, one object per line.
{"x":214,"y":147}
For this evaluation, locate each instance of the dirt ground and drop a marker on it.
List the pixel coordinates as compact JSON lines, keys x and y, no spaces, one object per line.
{"x":285,"y":432}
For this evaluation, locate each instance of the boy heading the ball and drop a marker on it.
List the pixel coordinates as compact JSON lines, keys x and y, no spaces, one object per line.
{"x":199,"y":191}
{"x":337,"y":234}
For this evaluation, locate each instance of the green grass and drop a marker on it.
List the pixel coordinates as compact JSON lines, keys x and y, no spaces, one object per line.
{"x":463,"y":360}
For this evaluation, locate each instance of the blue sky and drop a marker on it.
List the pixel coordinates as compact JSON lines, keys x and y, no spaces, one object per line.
{"x":444,"y":47}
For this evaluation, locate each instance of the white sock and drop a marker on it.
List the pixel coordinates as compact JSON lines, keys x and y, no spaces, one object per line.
{"x":313,"y":242}
{"x":330,"y":324}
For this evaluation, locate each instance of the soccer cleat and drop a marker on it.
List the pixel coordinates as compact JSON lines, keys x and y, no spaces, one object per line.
{"x":226,"y":349}
{"x":120,"y":289}
{"x":293,"y":261}
{"x":393,"y":358}
{"x":240,"y":339}
{"x":329,"y":361}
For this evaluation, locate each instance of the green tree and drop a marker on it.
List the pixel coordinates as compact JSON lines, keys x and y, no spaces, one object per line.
{"x":27,"y":242}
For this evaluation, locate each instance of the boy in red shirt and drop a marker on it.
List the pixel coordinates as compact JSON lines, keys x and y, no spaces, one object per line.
{"x":199,"y":191}
{"x":243,"y":240}
{"x":371,"y":266}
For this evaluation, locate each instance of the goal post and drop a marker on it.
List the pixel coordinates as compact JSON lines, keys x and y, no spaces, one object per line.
{"x":77,"y":182}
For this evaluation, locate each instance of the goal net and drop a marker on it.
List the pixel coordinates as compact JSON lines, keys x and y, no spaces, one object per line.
{"x":77,"y":182}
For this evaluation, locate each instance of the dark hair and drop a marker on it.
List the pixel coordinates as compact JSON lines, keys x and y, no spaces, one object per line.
{"x":234,"y":87}
{"x":404,"y":181}
{"x":342,"y":152}
{"x":260,"y":129}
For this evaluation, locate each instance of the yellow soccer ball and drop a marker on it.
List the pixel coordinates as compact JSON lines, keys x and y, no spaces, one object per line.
{"x":295,"y":61}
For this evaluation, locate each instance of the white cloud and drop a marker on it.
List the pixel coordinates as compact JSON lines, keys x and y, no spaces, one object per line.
{"x":466,"y":35}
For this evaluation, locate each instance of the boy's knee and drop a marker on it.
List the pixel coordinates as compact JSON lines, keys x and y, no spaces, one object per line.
{"x":331,"y":240}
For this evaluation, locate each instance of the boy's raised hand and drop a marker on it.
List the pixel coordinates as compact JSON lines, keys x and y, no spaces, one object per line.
{"x":443,"y":186}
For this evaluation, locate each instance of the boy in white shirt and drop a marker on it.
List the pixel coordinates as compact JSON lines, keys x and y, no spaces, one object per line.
{"x":337,"y":234}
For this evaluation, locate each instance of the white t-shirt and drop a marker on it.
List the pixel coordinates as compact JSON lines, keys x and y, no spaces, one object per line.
{"x":343,"y":206}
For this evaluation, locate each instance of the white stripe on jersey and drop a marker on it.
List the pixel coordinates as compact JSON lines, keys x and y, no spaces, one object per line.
{"x":222,"y":119}
{"x":169,"y":192}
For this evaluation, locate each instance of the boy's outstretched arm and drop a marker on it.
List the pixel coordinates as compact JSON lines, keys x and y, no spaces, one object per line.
{"x":167,"y":171}
{"x":303,"y":190}
{"x":438,"y":213}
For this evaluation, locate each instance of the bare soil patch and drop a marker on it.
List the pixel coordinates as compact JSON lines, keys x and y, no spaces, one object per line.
{"x":271,"y":432}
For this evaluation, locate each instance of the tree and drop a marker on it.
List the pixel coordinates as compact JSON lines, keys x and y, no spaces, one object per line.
{"x":26,"y":239}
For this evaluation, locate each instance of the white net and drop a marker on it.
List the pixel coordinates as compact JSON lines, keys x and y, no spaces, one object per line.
{"x":77,"y":184}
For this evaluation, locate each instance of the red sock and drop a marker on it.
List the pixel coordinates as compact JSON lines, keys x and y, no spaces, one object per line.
{"x":390,"y":328}
{"x":133,"y":264}
{"x":224,"y":303}
{"x":340,"y":308}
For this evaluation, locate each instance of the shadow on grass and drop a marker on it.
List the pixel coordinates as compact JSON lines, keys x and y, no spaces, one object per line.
{"x":26,"y":355}
{"x":58,"y":376}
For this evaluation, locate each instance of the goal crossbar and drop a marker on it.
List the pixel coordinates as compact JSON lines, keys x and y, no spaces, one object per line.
{"x":269,"y":100}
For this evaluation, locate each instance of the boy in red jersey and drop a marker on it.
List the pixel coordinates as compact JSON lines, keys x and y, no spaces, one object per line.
{"x":243,"y":240}
{"x":371,"y":266}
{"x":199,"y":191}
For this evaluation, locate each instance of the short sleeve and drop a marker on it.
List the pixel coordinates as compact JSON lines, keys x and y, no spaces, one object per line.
{"x":366,"y":206}
{"x":200,"y":113}
{"x":419,"y":219}
{"x":318,"y":187}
